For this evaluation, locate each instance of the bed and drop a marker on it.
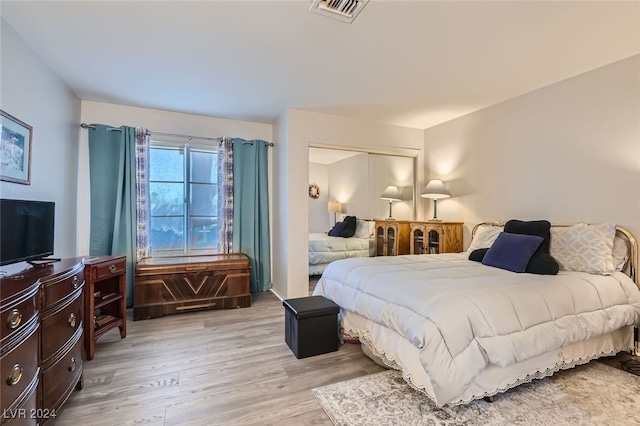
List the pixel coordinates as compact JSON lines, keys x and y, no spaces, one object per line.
{"x":324,"y":249}
{"x":460,"y":330}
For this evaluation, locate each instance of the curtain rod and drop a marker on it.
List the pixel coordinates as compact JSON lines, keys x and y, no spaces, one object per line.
{"x":111,"y":129}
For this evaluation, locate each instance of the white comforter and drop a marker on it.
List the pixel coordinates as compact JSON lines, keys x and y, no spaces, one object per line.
{"x":462,"y":316}
{"x":325,"y":249}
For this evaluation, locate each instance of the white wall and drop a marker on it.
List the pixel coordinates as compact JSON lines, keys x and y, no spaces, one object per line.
{"x":569,"y":152}
{"x":34,"y":95}
{"x":385,"y":170}
{"x":320,"y":220}
{"x":348,"y":184}
{"x":298,"y":129}
{"x":155,"y":121}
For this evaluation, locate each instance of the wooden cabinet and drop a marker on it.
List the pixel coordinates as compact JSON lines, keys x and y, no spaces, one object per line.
{"x":40,"y":335}
{"x":436,"y":237}
{"x":391,"y":237}
{"x":171,"y":285}
{"x":105,"y":298}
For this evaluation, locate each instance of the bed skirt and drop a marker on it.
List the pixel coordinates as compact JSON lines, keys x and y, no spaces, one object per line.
{"x":387,"y":347}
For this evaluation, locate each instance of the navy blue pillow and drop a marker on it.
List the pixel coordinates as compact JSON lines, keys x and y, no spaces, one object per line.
{"x":512,"y":251}
{"x":337,"y":229}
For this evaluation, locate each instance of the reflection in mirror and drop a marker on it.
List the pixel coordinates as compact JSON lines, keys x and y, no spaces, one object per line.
{"x":357,"y":180}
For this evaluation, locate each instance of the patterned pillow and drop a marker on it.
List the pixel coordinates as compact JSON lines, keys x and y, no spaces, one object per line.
{"x":484,"y":237}
{"x":584,"y":248}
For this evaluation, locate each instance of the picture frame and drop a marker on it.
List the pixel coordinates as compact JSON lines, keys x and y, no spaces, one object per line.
{"x":15,"y":150}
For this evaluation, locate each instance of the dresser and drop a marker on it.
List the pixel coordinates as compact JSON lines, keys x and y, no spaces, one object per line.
{"x":41,"y":310}
{"x":172,"y":285}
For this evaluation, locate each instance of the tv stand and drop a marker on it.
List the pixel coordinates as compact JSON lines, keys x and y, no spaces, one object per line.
{"x":43,"y":261}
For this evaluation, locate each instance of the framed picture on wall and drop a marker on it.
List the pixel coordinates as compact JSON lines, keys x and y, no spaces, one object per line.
{"x":15,"y":150}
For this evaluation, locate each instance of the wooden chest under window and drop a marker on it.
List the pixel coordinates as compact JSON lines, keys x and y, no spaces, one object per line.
{"x":172,"y":285}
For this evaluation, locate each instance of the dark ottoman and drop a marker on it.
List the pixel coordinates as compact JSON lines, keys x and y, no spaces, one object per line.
{"x":311,"y":325}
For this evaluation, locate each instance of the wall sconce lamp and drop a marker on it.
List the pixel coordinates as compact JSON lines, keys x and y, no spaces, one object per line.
{"x":392,"y":194}
{"x":334,"y":207}
{"x":435,"y":190}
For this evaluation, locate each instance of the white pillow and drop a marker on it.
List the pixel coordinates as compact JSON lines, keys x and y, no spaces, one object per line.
{"x":484,"y":237}
{"x":584,"y":248}
{"x":620,"y":252}
{"x":364,"y":229}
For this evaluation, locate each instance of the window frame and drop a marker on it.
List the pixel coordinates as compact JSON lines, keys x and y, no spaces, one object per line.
{"x":185,"y":149}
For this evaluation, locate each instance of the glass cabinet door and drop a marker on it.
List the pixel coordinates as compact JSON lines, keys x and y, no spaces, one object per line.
{"x":417,"y":241}
{"x":380,"y":241}
{"x":391,"y":241}
{"x":434,"y":242}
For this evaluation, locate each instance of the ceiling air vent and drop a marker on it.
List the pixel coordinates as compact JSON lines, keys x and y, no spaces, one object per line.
{"x":342,"y":10}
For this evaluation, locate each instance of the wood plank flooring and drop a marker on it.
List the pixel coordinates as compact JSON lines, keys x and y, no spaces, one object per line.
{"x":215,"y":367}
{"x":209,"y":368}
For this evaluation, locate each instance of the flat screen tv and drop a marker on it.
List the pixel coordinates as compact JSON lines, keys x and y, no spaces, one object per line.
{"x":26,"y":230}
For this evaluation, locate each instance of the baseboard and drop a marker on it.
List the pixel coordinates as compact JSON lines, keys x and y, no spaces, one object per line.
{"x":276,"y":293}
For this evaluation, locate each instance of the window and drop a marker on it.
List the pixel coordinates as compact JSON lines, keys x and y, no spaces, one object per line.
{"x":183,"y":187}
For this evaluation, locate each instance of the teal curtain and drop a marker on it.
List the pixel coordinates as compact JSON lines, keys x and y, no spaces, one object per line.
{"x":251,"y":209}
{"x":112,"y":171}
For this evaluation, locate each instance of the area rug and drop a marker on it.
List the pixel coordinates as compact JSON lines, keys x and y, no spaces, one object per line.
{"x":591,"y":394}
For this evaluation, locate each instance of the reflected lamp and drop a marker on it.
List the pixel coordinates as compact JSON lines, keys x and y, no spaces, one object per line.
{"x":334,"y":207}
{"x":392,"y":193}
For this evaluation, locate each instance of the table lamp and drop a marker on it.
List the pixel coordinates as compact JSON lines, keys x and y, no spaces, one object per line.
{"x":435,"y":190}
{"x":334,"y":207}
{"x":392,"y":194}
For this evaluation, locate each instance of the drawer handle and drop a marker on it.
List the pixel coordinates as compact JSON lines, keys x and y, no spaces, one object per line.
{"x":14,"y":319}
{"x":112,"y":269}
{"x":75,"y":282}
{"x":72,"y":320}
{"x":15,"y":375}
{"x":72,"y":364}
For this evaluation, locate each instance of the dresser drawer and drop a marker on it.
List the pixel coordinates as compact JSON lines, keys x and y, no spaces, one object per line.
{"x":60,"y":325}
{"x":24,"y":414}
{"x":56,"y":290}
{"x":108,"y":269}
{"x":14,"y":316}
{"x":59,"y":379}
{"x":18,"y":367}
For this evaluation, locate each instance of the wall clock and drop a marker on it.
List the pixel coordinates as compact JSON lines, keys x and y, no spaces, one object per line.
{"x":314,"y":191}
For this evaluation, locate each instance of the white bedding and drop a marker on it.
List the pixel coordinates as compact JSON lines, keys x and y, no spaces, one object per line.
{"x":326,"y":249}
{"x":456,"y":318}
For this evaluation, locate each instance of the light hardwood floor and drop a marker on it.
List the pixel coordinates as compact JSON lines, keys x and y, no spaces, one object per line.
{"x":206,"y":368}
{"x":215,"y":367}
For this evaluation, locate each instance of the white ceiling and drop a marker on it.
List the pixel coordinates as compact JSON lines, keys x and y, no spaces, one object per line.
{"x":409,"y":63}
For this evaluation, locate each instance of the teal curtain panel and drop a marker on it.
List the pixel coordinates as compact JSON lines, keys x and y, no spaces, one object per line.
{"x":251,"y":209}
{"x":112,"y":171}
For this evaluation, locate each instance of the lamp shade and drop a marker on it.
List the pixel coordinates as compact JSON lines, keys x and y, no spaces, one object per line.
{"x":391,"y":193}
{"x":435,"y":190}
{"x":334,"y":207}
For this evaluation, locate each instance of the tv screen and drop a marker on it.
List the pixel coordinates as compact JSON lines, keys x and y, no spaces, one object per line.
{"x":26,"y":230}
